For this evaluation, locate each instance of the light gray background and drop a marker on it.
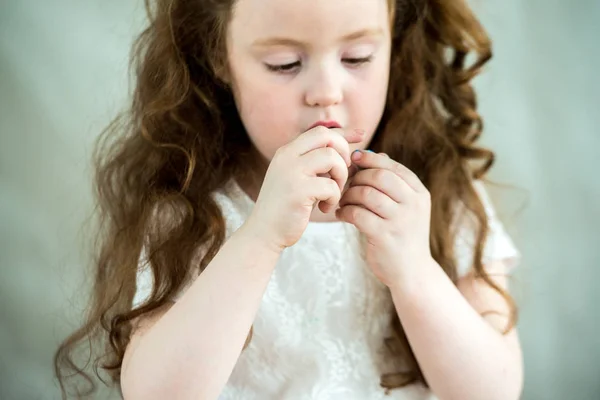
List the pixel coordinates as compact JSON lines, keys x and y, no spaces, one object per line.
{"x":63,"y":75}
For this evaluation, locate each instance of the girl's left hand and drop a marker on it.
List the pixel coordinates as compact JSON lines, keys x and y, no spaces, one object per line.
{"x":389,"y":204}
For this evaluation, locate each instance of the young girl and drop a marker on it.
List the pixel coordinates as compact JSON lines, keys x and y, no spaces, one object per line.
{"x":293,"y":209}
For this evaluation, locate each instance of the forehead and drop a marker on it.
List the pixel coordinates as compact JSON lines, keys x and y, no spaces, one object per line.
{"x":311,"y":20}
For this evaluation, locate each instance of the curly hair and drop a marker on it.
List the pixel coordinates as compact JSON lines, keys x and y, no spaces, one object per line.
{"x":182,"y":138}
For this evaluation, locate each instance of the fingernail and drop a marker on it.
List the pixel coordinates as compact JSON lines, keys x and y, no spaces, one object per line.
{"x":370,"y":151}
{"x":356,"y":155}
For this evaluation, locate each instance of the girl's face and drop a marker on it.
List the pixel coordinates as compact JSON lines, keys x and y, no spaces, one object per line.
{"x":294,"y":63}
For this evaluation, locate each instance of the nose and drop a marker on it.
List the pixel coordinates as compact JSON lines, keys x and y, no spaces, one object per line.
{"x":324,"y":88}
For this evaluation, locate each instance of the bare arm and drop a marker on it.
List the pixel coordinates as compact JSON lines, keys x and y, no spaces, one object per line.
{"x":188,"y":349}
{"x":462,"y":355}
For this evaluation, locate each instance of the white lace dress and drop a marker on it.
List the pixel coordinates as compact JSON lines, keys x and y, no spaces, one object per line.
{"x":319,"y":332}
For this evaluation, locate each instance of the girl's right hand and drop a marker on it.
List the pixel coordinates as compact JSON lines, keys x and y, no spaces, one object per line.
{"x":295,"y":182}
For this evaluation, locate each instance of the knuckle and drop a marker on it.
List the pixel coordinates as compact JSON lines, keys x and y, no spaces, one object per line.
{"x":333,"y":186}
{"x":337,"y":196}
{"x":398,"y":169}
{"x":376,"y":204}
{"x":331,"y":153}
{"x":366,"y":192}
{"x":335,"y":139}
{"x":411,"y":174}
{"x":320,"y":130}
{"x":281,"y":151}
{"x":343,"y":168}
{"x":415,"y":179}
{"x":379,"y":175}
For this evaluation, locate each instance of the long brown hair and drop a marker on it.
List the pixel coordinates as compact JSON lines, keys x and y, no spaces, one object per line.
{"x":182,"y":139}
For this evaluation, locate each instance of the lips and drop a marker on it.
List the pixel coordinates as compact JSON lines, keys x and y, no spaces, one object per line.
{"x":327,"y":124}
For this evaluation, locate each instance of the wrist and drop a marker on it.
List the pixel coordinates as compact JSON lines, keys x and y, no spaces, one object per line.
{"x":416,"y":275}
{"x":259,"y":238}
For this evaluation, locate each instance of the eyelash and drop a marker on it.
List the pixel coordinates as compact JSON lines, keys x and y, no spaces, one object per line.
{"x":287,"y":68}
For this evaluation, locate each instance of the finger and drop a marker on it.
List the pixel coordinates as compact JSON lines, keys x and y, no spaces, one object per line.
{"x":321,"y":137}
{"x":351,"y":135}
{"x":364,"y":220}
{"x":364,"y":159}
{"x":371,"y":199}
{"x":326,"y":192}
{"x":385,"y":181}
{"x":326,"y":160}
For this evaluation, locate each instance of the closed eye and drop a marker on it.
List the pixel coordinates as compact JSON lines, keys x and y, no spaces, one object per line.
{"x":357,"y":61}
{"x":283,"y":68}
{"x":291,"y":67}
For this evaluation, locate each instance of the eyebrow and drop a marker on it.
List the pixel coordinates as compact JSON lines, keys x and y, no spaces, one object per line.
{"x":281,"y":41}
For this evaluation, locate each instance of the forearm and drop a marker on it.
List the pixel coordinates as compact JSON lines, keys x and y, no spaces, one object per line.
{"x":190,"y":352}
{"x":461,"y":355}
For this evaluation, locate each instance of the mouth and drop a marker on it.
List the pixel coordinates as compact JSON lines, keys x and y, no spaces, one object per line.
{"x":326,"y":124}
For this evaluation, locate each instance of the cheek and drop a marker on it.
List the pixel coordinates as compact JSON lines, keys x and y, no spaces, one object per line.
{"x":377,"y":86}
{"x":267,"y":129}
{"x":368,"y":103}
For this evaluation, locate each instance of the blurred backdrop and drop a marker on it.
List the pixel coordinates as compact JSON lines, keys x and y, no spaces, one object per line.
{"x":63,"y":76}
